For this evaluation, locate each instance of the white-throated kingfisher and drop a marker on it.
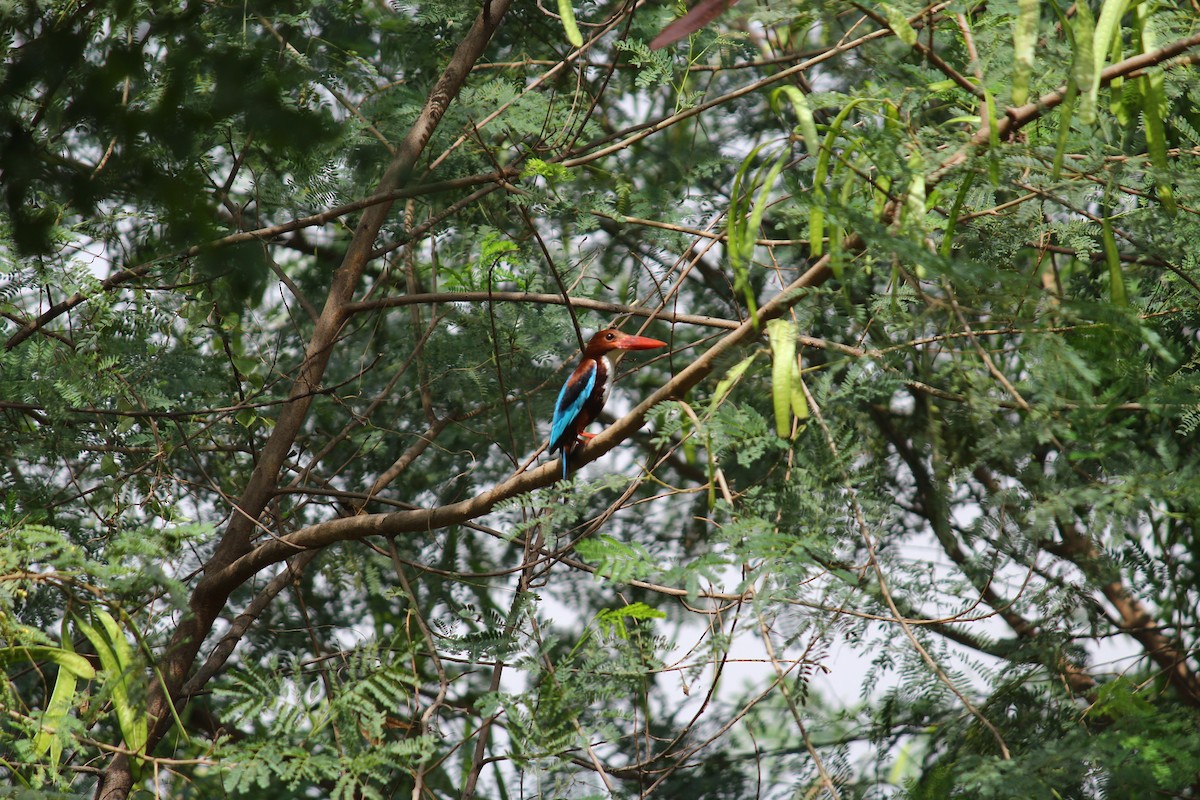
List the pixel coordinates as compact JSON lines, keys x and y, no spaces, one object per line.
{"x":584,"y":393}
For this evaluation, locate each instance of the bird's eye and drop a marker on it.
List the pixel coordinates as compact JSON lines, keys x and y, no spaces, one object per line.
{"x":611,"y":336}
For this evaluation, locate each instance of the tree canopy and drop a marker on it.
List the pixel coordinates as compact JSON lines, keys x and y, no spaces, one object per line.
{"x":288,"y":291}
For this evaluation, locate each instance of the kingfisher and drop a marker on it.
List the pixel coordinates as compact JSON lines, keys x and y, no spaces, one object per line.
{"x":584,"y":393}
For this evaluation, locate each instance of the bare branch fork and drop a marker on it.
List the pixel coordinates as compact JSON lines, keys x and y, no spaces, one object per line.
{"x":428,"y":520}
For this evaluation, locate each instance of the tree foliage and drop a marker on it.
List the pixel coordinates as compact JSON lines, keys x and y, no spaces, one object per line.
{"x":907,"y":508}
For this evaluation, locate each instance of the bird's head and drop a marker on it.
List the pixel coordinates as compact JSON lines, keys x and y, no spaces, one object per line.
{"x":612,"y":339}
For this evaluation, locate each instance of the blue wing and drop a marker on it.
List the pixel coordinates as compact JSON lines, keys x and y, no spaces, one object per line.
{"x":571,"y":398}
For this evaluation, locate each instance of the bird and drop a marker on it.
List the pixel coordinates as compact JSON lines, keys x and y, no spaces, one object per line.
{"x":583,"y":395}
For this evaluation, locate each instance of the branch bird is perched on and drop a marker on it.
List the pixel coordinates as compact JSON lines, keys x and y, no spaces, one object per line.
{"x":584,"y":393}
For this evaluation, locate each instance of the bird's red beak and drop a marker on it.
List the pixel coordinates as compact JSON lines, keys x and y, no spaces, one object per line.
{"x":628,"y":342}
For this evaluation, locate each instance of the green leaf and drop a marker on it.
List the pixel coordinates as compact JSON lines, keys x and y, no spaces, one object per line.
{"x":570,"y":27}
{"x":1116,"y":277}
{"x":1116,"y":87}
{"x":1083,"y":65}
{"x":1025,"y":33}
{"x":66,"y":659}
{"x":760,"y":205}
{"x":1092,"y":49}
{"x":59,"y":704}
{"x":612,"y":620}
{"x":914,"y":199}
{"x":57,"y":709}
{"x":782,"y":334}
{"x":743,"y":225}
{"x":1154,"y":109}
{"x":736,"y":224}
{"x":1064,"y":128}
{"x":536,"y":167}
{"x":116,"y":659}
{"x":1107,"y":28}
{"x":816,"y":216}
{"x":616,"y":560}
{"x":898,"y":22}
{"x":955,"y":210}
{"x":1120,"y":698}
{"x":799,"y":396}
{"x":726,"y":384}
{"x":493,"y":247}
{"x":993,"y":137}
{"x":804,"y":116}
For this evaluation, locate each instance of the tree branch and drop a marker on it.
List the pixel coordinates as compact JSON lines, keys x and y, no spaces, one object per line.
{"x":210,"y":596}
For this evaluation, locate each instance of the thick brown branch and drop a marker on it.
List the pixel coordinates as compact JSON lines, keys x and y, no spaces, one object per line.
{"x":1133,"y":616}
{"x":539,"y":299}
{"x":427,"y":520}
{"x":210,"y":595}
{"x":1017,"y":118}
{"x":62,"y":307}
{"x":241,"y":625}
